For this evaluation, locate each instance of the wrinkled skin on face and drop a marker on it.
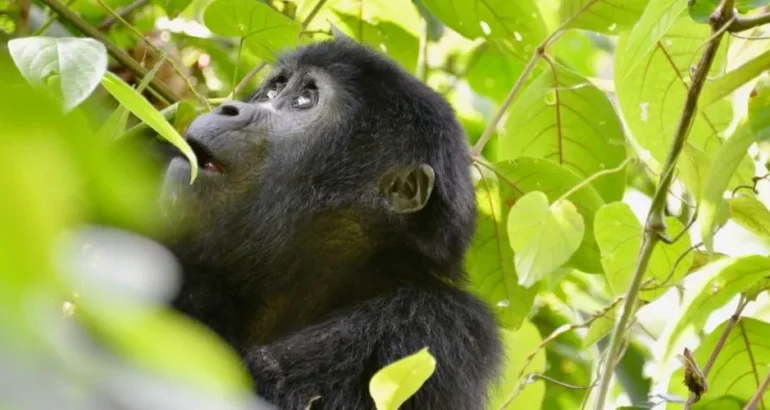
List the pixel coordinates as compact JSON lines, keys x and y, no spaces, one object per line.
{"x":332,"y":210}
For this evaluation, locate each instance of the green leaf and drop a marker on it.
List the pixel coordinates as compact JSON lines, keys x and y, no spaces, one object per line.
{"x":732,"y":153}
{"x":143,"y":110}
{"x":115,"y":125}
{"x":740,"y":366}
{"x":619,"y":235}
{"x":173,"y":7}
{"x":701,"y":10}
{"x":263,"y":30}
{"x":720,"y":87}
{"x":604,"y":16}
{"x":392,"y":385}
{"x":524,"y":175}
{"x":517,"y":346}
{"x":759,"y":110}
{"x":389,"y":38}
{"x":563,"y":118}
{"x":751,"y":214}
{"x":78,"y":62}
{"x":490,"y":258}
{"x":518,"y":23}
{"x":493,"y":71}
{"x":601,"y":327}
{"x":735,"y":276}
{"x":543,"y":236}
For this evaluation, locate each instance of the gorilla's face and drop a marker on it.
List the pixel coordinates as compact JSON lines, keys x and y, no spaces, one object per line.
{"x":241,"y":144}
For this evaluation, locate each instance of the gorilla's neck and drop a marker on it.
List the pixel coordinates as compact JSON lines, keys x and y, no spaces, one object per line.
{"x":328,"y":262}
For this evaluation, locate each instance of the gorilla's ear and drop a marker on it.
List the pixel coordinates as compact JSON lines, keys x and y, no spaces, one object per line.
{"x":408,"y":188}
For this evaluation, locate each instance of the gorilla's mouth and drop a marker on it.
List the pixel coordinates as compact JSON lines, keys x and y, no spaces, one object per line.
{"x":206,"y":160}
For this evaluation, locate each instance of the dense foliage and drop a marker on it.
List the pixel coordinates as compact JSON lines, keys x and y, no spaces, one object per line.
{"x":620,"y":161}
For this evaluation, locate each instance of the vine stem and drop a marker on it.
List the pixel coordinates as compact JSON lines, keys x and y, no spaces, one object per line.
{"x":116,"y":52}
{"x":655,"y":223}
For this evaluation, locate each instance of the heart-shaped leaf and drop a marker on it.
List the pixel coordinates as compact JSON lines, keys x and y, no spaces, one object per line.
{"x":543,"y":236}
{"x":78,"y":62}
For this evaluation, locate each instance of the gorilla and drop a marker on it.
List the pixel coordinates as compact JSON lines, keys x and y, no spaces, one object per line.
{"x":325,"y":235}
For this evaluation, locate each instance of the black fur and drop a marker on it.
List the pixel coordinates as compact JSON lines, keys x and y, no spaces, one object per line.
{"x":294,"y":257}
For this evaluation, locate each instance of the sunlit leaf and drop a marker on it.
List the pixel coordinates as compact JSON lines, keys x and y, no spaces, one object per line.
{"x":143,"y":110}
{"x":759,"y":110}
{"x":728,"y":158}
{"x":494,"y":70}
{"x":78,"y":62}
{"x":263,"y":30}
{"x":619,"y":235}
{"x":392,"y":385}
{"x":563,"y":118}
{"x":518,"y":23}
{"x":737,"y":275}
{"x":517,"y":346}
{"x":751,"y":214}
{"x":717,"y":88}
{"x":384,"y":36}
{"x":601,"y":326}
{"x":543,"y":236}
{"x":741,"y":364}
{"x":606,"y":16}
{"x":524,"y":175}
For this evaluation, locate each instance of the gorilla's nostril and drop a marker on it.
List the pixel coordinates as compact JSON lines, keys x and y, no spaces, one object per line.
{"x":228,"y":110}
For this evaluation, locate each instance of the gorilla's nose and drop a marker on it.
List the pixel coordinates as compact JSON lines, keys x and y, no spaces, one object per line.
{"x":235,"y":112}
{"x":231,"y":115}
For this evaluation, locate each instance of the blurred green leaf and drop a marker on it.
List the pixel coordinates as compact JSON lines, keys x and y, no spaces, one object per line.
{"x":517,"y":23}
{"x":78,"y":62}
{"x":494,"y":70}
{"x":600,"y":327}
{"x":759,"y":109}
{"x":392,"y":385}
{"x":730,"y":155}
{"x":140,"y":107}
{"x":751,"y":214}
{"x":263,"y":30}
{"x":619,"y":235}
{"x":516,"y":347}
{"x":720,"y":87}
{"x":735,"y":276}
{"x":173,"y":7}
{"x":490,"y":258}
{"x":543,"y":236}
{"x":389,"y":38}
{"x":740,"y":366}
{"x":604,"y":16}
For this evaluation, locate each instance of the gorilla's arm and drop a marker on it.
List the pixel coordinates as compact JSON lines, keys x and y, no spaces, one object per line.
{"x":335,"y":359}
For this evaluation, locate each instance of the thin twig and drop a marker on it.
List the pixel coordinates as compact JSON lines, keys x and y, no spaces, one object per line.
{"x":752,"y":405}
{"x":116,"y":52}
{"x":655,"y":224}
{"x":720,"y":344}
{"x":594,"y":177}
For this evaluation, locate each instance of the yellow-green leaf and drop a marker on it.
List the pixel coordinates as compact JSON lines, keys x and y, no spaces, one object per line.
{"x":392,"y":385}
{"x":143,"y":110}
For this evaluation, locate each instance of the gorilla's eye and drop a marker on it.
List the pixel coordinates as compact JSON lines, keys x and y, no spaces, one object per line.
{"x":274,"y":89}
{"x":307,"y":99}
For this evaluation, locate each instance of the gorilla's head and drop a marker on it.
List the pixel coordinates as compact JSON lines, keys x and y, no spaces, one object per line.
{"x":340,"y":158}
